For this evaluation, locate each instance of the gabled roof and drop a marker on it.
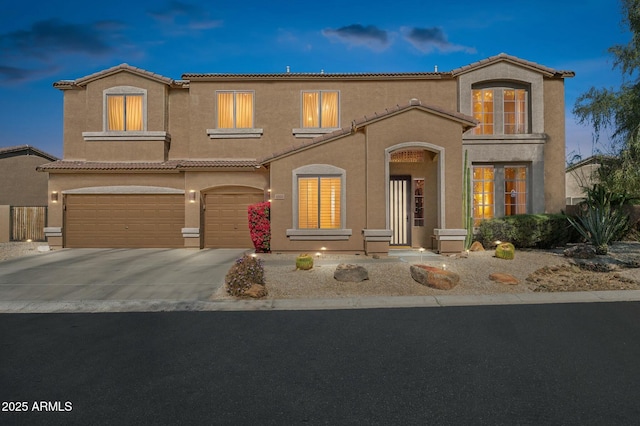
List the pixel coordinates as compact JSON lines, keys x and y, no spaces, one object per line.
{"x":169,"y":166}
{"x":12,"y":151}
{"x":594,"y":159}
{"x":80,"y":82}
{"x":503,"y":57}
{"x":466,"y":121}
{"x":319,"y":76}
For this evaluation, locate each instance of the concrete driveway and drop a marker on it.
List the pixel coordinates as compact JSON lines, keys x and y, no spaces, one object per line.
{"x":116,"y":274}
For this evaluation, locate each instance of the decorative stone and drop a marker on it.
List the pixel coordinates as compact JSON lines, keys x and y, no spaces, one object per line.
{"x":503,"y":278}
{"x":433,"y":277}
{"x":476,"y":246}
{"x":256,"y":291}
{"x":350,"y":273}
{"x":505,"y":251}
{"x":581,"y":251}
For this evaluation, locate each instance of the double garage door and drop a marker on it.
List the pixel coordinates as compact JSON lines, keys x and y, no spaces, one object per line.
{"x":124,"y":220}
{"x":155,"y":220}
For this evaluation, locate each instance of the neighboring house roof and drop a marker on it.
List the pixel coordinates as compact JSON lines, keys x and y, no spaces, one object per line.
{"x":503,"y":57}
{"x":171,"y":165}
{"x":594,"y":159}
{"x":80,"y":82}
{"x":466,"y":121}
{"x":12,"y":151}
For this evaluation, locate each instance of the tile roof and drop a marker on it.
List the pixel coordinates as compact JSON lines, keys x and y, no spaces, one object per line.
{"x":62,"y":84}
{"x":513,"y":59}
{"x":27,"y":150}
{"x":320,"y":75}
{"x":466,"y":121}
{"x":171,"y":165}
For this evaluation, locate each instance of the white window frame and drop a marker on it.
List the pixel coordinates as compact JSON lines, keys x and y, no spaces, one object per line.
{"x":312,"y":132}
{"x":498,"y":89}
{"x":128,"y":135}
{"x":319,"y":170}
{"x":236,"y":133}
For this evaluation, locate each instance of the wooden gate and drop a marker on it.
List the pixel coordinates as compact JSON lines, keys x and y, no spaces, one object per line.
{"x":27,"y":223}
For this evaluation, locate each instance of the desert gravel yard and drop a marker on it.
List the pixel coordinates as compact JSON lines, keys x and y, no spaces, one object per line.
{"x":535,"y":270}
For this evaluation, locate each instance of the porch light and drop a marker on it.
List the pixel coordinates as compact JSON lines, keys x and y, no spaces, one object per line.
{"x":54,"y":196}
{"x":192,"y":196}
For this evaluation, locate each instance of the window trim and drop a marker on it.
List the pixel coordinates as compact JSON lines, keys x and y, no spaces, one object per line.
{"x":318,"y":170}
{"x":498,"y":87}
{"x":235,"y":132}
{"x":499,"y":180}
{"x":122,"y":135}
{"x":312,"y":132}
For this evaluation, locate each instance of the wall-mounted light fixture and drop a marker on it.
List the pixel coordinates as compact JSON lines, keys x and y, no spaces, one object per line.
{"x":54,"y":196}
{"x":192,"y":196}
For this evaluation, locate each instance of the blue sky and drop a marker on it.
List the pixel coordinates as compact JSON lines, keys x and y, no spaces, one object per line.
{"x":43,"y":42}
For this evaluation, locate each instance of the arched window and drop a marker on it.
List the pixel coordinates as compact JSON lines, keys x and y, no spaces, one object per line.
{"x":502,"y":108}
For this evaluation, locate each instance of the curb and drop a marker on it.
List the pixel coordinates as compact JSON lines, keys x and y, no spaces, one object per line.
{"x":119,"y":306}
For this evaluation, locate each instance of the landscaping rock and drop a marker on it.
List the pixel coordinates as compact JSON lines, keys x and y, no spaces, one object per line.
{"x":434,"y":277}
{"x":581,"y":251}
{"x":256,"y":291}
{"x":350,"y":273}
{"x":476,"y":246}
{"x":503,"y":278}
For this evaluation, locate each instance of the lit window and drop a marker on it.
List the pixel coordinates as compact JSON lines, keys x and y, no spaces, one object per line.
{"x":500,"y":110}
{"x":319,"y":202}
{"x":125,"y":113}
{"x":515,"y":190}
{"x":483,"y":194}
{"x":235,"y":110}
{"x":320,"y":109}
{"x":483,"y":111}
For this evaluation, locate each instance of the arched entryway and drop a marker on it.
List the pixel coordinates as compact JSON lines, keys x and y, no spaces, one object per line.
{"x":414,"y":193}
{"x":226,"y":223}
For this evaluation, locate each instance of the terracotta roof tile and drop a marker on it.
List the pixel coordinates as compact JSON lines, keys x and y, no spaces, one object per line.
{"x":356,"y":124}
{"x":148,"y":166}
{"x":505,"y":57}
{"x":115,"y":69}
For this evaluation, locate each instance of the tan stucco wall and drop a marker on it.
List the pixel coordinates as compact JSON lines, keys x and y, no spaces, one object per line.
{"x":21,"y":184}
{"x":554,"y":150}
{"x":366,"y":181}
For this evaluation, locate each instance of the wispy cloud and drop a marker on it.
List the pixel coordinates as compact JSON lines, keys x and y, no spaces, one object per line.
{"x":429,"y":39}
{"x":359,"y":35}
{"x":39,"y":47}
{"x":181,"y":17}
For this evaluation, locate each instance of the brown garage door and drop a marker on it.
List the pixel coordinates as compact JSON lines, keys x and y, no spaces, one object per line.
{"x":127,"y":220}
{"x":226,"y":220}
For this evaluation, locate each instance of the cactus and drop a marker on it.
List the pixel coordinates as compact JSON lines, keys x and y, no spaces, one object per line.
{"x":505,"y":251}
{"x":304,"y":262}
{"x":467,"y":205}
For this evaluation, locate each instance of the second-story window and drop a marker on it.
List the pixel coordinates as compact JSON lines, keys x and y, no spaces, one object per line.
{"x":500,"y":110}
{"x":124,"y":109}
{"x":235,"y":110}
{"x":320,"y":109}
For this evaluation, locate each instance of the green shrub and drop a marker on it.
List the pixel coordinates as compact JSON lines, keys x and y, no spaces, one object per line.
{"x":528,"y":231}
{"x":247,"y":271}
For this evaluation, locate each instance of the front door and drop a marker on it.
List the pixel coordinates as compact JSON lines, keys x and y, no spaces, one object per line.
{"x":399,"y":208}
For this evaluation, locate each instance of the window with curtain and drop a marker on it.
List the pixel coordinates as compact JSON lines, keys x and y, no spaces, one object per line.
{"x":320,"y":109}
{"x":483,"y":193}
{"x":515,"y":190}
{"x":124,"y":112}
{"x":235,"y":110}
{"x":500,"y":110}
{"x":319,"y":202}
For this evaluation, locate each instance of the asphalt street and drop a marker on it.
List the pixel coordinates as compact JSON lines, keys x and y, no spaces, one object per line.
{"x":570,"y":364}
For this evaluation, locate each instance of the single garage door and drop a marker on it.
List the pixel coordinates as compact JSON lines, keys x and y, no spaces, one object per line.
{"x":124,"y":220}
{"x":226,"y":219}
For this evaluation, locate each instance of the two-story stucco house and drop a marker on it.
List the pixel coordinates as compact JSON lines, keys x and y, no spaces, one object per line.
{"x":350,"y":162}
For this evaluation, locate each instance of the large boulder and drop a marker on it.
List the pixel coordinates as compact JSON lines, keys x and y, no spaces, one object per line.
{"x":580,"y":251}
{"x":350,"y":273}
{"x":502,"y":278}
{"x":476,"y":246}
{"x":433,"y":277}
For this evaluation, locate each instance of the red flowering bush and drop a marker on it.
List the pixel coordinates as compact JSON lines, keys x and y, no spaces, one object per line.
{"x":260,"y":226}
